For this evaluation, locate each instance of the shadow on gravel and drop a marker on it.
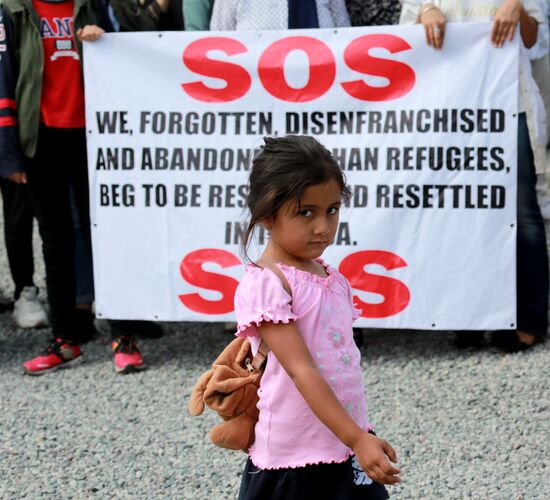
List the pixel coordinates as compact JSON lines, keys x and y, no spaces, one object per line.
{"x":191,"y":344}
{"x":17,"y":345}
{"x":196,"y":345}
{"x":184,"y":344}
{"x":401,"y":344}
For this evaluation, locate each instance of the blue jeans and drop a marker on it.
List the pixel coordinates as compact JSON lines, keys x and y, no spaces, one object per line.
{"x":532,"y":253}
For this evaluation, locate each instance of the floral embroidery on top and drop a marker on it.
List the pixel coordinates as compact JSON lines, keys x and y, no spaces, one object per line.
{"x":336,"y":336}
{"x":352,"y":403}
{"x":336,"y":355}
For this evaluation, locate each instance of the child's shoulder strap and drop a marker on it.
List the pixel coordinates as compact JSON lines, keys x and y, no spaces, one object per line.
{"x":261,"y":355}
{"x":274,"y":268}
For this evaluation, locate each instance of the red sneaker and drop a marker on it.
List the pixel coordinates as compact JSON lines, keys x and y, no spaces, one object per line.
{"x":127,"y":356}
{"x":59,"y":354}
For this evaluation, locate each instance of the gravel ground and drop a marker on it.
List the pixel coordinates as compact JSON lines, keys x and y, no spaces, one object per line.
{"x":465,"y":424}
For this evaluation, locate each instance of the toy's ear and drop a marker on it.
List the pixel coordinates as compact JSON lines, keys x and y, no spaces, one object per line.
{"x":196,"y":401}
{"x":234,"y":434}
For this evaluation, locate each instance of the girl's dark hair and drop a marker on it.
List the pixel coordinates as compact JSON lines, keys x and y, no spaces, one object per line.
{"x":284,"y":169}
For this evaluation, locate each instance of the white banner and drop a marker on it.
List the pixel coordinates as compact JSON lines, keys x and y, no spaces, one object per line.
{"x":427,"y":140}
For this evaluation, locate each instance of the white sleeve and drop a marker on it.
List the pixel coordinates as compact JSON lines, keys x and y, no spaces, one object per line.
{"x":340,"y":14}
{"x":409,"y":12}
{"x":532,"y":8}
{"x":224,"y":15}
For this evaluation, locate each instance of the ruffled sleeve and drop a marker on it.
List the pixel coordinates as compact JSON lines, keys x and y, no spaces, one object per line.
{"x":355,"y":312}
{"x":261,"y":297}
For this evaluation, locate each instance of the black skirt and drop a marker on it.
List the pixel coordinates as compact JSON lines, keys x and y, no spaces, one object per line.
{"x":344,"y":481}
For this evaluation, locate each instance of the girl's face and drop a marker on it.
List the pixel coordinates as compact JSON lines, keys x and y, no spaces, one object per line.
{"x":302,"y":232}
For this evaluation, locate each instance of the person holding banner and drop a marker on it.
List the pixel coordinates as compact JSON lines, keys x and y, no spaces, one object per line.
{"x":127,"y":357}
{"x":532,"y":256}
{"x":371,"y":13}
{"x":28,"y":311}
{"x":48,"y":153}
{"x":230,"y":15}
{"x":312,"y":438}
{"x":45,"y":128}
{"x":197,"y":14}
{"x":540,"y":64}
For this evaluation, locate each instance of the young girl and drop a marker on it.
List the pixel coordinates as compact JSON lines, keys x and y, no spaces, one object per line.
{"x":313,"y":439}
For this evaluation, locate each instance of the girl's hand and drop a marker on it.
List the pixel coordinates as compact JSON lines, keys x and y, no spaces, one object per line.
{"x":372,"y":454}
{"x":506,"y":18}
{"x":433,"y":21}
{"x":90,"y":33}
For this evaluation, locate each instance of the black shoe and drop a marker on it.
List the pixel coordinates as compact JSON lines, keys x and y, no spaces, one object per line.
{"x":508,"y":341}
{"x":142,"y":329}
{"x":469,"y":338}
{"x":84,"y":326}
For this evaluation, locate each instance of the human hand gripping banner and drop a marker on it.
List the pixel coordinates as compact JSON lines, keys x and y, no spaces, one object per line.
{"x":427,"y":140}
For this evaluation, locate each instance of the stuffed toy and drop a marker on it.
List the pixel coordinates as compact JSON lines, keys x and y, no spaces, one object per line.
{"x":230,"y":388}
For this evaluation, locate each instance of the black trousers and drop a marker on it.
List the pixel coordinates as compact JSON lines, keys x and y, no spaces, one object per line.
{"x":532,"y":254}
{"x":18,"y":223}
{"x":59,"y":167}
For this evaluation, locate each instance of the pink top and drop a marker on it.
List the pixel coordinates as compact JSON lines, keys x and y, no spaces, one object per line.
{"x":288,"y":434}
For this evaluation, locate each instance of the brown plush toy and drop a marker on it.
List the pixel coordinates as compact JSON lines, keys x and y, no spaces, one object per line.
{"x":230,"y":389}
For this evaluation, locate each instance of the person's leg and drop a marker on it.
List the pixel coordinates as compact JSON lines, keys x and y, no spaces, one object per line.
{"x":18,"y":225}
{"x":138,"y":328}
{"x":47,"y":176}
{"x":84,"y":318}
{"x":532,"y":256}
{"x":80,"y":214}
{"x":48,"y":181}
{"x":80,"y":189}
{"x":127,"y":356}
{"x":28,"y":311}
{"x":466,"y":339}
{"x":532,"y":253}
{"x":83,"y":262}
